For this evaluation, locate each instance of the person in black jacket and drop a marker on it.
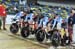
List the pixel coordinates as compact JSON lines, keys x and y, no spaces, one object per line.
{"x":71,"y":25}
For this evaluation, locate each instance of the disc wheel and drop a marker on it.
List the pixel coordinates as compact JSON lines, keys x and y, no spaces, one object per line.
{"x":55,"y":40}
{"x":14,"y":28}
{"x":40,"y":36}
{"x":25,"y":32}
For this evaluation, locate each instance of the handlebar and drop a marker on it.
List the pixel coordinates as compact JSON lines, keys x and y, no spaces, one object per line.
{"x":14,"y":19}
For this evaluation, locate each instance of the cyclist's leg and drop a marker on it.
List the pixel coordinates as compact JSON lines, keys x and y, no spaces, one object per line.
{"x":49,"y":27}
{"x":4,"y":18}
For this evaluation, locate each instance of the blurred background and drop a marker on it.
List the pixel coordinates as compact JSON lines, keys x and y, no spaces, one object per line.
{"x":13,"y":5}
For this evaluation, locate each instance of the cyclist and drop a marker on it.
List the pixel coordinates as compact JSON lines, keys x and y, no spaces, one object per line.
{"x":43,"y":22}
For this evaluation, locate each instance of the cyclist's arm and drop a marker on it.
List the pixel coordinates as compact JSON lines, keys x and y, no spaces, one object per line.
{"x":40,"y":23}
{"x":54,"y":23}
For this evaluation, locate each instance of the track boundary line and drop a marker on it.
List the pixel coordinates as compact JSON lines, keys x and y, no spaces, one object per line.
{"x":25,"y":39}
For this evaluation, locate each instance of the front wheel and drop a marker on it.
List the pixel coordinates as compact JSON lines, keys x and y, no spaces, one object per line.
{"x":40,"y":36}
{"x":14,"y":28}
{"x":25,"y":32}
